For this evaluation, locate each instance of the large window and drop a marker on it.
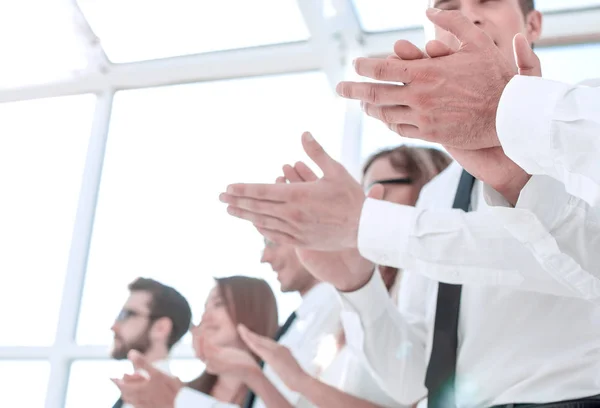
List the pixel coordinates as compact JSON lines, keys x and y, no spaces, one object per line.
{"x":170,"y":152}
{"x":39,"y":42}
{"x":24,"y":383}
{"x":136,"y":30}
{"x":570,"y":63}
{"x":43,"y":147}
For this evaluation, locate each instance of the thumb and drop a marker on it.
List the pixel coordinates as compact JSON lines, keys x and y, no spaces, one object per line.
{"x":376,"y":192}
{"x":455,"y":23}
{"x":528,"y":63}
{"x":317,"y":154}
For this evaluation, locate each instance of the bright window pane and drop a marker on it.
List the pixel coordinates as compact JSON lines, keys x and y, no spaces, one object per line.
{"x":39,"y":42}
{"x":90,"y":385}
{"x":554,"y":5}
{"x":136,"y":30}
{"x":385,"y":15}
{"x":42,"y":154}
{"x":377,"y":136}
{"x":170,"y":152}
{"x":571,"y":63}
{"x":24,"y":383}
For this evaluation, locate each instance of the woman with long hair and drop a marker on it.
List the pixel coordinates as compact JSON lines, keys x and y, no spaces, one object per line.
{"x":234,"y":301}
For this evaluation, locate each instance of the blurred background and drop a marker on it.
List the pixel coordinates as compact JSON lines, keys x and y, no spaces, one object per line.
{"x":122,"y":120}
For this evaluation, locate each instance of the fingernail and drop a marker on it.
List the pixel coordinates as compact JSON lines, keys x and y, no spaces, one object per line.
{"x":432,"y":11}
{"x":222,"y":198}
{"x":229,"y":189}
{"x":309,"y":137}
{"x":339,"y":89}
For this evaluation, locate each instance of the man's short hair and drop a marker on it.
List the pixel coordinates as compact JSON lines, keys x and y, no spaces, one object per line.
{"x":166,"y":302}
{"x":527,"y":6}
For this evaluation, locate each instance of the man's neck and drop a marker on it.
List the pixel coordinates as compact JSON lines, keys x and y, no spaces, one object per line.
{"x":154,"y":355}
{"x":308,"y":288}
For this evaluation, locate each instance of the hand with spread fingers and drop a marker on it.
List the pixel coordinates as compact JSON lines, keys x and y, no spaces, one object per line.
{"x":451,"y":99}
{"x":347,"y":270}
{"x":322,"y":214}
{"x":155,"y":389}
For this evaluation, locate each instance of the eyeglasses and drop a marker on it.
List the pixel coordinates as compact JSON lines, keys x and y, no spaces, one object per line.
{"x":126,"y":314}
{"x":405,"y":180}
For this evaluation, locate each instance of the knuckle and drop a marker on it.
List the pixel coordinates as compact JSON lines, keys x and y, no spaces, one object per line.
{"x":371,"y":95}
{"x":424,"y":120}
{"x":296,"y":215}
{"x":387,"y":114}
{"x":381,"y":70}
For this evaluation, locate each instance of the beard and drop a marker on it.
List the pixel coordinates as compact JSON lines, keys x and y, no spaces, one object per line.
{"x":141,"y":344}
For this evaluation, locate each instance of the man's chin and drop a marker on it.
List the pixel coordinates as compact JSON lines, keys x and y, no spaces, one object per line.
{"x":119,"y":354}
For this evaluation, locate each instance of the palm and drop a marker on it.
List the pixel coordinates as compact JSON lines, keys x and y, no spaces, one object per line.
{"x":346,"y":270}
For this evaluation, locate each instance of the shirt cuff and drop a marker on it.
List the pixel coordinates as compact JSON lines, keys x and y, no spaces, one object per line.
{"x":384,"y":231}
{"x":524,"y":121}
{"x":494,"y":198}
{"x":546,"y":198}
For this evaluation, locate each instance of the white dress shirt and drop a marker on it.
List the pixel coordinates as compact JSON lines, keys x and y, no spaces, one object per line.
{"x":548,"y":243}
{"x":515,"y":345}
{"x":317,"y":322}
{"x":349,"y":373}
{"x":190,"y":398}
{"x":552,"y":128}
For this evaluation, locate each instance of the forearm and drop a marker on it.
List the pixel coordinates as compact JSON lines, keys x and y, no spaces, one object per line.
{"x":267,"y":392}
{"x":324,"y":395}
{"x":548,"y":239}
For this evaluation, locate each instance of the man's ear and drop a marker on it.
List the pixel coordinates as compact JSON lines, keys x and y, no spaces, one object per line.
{"x":534,"y":26}
{"x":161,"y":329}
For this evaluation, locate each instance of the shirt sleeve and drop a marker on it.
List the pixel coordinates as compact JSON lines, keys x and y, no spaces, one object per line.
{"x":547,"y":244}
{"x":392,"y":345}
{"x":551,"y":128}
{"x":189,"y":398}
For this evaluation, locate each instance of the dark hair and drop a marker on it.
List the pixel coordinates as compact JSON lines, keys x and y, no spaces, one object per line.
{"x":250,"y":302}
{"x":527,"y":6}
{"x":420,"y":163}
{"x":166,"y":302}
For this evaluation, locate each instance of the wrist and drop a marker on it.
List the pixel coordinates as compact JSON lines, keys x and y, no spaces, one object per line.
{"x":252,"y":376}
{"x":362,"y":278}
{"x":304,"y":384}
{"x":512,"y":189}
